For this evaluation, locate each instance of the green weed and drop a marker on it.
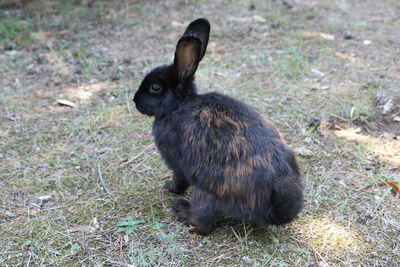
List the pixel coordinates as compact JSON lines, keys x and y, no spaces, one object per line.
{"x":14,"y":30}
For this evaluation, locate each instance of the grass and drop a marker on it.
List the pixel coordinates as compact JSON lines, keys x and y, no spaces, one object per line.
{"x":83,"y":185}
{"x":15,"y":30}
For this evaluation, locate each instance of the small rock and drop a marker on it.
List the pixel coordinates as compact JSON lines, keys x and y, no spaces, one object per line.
{"x":110,"y":62}
{"x":115,"y":77}
{"x":252,"y":7}
{"x":10,"y":46}
{"x":31,"y":71}
{"x":52,"y":43}
{"x":396,"y":119}
{"x":367,"y":42}
{"x":121,"y":68}
{"x":10,"y":214}
{"x":127,"y":61}
{"x":96,"y":223}
{"x":364,"y":220}
{"x":45,"y":69}
{"x":40,"y":59}
{"x":96,"y":55}
{"x":308,"y":140}
{"x":287,"y":4}
{"x":314,"y":122}
{"x":348,"y":35}
{"x":384,"y":103}
{"x":72,"y":61}
{"x":317,"y":72}
{"x":75,"y":78}
{"x":104,"y":150}
{"x":388,"y":135}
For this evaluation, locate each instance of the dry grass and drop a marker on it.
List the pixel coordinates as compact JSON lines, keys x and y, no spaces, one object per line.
{"x":69,"y":175}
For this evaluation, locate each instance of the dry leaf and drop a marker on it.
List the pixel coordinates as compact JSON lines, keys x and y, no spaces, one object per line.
{"x":64,"y":102}
{"x":41,"y":94}
{"x":177,"y":24}
{"x":394,"y":186}
{"x":325,"y":36}
{"x":193,"y":235}
{"x":33,"y":212}
{"x":346,"y":57}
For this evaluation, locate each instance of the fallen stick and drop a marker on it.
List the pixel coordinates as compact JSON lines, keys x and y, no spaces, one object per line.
{"x":136,"y":156}
{"x":102,"y":182}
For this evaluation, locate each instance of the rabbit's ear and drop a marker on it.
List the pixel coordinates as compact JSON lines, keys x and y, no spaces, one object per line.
{"x":199,"y":28}
{"x":187,"y":57}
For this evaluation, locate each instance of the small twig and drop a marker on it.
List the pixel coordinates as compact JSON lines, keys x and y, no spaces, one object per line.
{"x":102,"y":182}
{"x":29,"y":260}
{"x":140,"y":163}
{"x":164,"y":176}
{"x":120,"y":263}
{"x":313,"y":248}
{"x":64,"y":206}
{"x":128,"y":101}
{"x":137,"y":155}
{"x":322,"y":258}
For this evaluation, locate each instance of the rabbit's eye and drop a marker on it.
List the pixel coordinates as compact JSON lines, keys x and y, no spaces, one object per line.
{"x":155,"y":88}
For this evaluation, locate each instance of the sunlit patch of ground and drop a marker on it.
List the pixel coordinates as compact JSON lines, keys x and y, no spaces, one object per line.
{"x":387,"y":150}
{"x":328,"y":236}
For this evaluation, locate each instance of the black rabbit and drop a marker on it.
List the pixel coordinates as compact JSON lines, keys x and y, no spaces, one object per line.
{"x":238,"y":164}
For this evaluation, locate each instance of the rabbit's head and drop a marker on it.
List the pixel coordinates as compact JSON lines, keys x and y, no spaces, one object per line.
{"x":166,"y":86}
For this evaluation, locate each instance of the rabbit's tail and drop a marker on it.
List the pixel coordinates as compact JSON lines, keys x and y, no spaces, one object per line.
{"x":286,"y":199}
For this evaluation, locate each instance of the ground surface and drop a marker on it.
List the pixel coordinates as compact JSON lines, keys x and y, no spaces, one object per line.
{"x":69,"y":175}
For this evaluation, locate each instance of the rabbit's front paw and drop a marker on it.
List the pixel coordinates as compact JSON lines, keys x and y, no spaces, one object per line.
{"x":182,"y":210}
{"x":172,"y":188}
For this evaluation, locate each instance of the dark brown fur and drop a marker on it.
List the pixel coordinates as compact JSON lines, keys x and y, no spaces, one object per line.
{"x":238,"y":164}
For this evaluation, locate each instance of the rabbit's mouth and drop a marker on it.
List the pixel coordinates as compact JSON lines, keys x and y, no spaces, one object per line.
{"x":143,"y":110}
